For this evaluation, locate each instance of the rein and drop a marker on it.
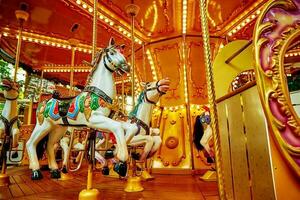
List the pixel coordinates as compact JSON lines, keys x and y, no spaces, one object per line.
{"x":8,"y":124}
{"x":150,"y":89}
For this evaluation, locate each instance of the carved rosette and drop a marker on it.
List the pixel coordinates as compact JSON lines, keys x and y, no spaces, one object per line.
{"x":277,"y":26}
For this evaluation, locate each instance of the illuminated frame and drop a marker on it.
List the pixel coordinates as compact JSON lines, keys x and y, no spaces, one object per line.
{"x":273,"y":34}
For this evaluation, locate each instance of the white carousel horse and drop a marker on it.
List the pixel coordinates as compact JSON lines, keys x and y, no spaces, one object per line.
{"x":9,"y":117}
{"x":141,"y":115}
{"x":90,"y":108}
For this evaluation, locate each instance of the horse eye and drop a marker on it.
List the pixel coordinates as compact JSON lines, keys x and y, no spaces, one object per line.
{"x":112,"y":53}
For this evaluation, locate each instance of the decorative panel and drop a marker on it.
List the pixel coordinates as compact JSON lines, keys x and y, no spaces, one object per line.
{"x":257,"y":141}
{"x":238,"y":149}
{"x":225,"y":148}
{"x":168,"y":60}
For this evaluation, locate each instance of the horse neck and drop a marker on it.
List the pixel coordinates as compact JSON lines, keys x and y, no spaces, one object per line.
{"x":144,"y":112}
{"x":104,"y":80}
{"x":10,"y":109}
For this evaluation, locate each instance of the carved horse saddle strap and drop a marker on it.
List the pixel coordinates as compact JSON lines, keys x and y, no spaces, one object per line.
{"x":8,"y":124}
{"x":99,"y":93}
{"x":140,"y":123}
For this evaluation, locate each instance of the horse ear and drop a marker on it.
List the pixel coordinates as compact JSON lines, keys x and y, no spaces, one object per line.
{"x":143,"y":84}
{"x":122,"y":46}
{"x":111,"y":41}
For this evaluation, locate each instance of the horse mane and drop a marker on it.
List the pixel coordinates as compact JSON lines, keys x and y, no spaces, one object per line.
{"x":133,"y":113}
{"x":94,"y":63}
{"x":198,"y":133}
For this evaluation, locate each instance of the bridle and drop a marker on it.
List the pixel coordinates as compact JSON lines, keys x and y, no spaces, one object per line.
{"x":108,"y":61}
{"x":153,"y":88}
{"x":12,"y":99}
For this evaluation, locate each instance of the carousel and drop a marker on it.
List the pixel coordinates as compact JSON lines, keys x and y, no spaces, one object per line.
{"x":151,"y":99}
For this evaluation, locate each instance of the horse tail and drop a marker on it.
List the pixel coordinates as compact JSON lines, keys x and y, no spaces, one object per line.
{"x":41,"y":147}
{"x":198,"y":133}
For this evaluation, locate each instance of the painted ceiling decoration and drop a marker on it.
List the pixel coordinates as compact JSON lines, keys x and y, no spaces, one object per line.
{"x":159,"y":23}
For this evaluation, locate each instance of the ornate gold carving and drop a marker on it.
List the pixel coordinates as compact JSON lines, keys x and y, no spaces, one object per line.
{"x":174,"y":90}
{"x":171,"y":142}
{"x":172,"y":122}
{"x":274,"y":31}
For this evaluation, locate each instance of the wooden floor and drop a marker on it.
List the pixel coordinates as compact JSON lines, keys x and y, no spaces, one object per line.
{"x":172,"y":187}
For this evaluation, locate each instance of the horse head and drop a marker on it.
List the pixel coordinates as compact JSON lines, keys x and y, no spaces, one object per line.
{"x":10,"y":89}
{"x":113,"y":58}
{"x":154,"y":90}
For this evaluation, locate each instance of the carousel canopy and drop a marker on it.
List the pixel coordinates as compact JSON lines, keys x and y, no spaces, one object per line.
{"x":159,"y":29}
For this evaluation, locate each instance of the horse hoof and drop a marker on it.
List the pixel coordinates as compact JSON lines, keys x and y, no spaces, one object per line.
{"x":36,"y":175}
{"x":105,"y":171}
{"x":121,"y":168}
{"x":109,"y":154}
{"x":135,"y":155}
{"x":55,"y":173}
{"x":64,"y":170}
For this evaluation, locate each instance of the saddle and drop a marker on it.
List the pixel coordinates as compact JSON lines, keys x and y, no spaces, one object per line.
{"x":57,"y":95}
{"x":63,"y":107}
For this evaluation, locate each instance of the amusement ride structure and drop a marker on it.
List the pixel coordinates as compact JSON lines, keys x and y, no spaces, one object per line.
{"x":98,"y":95}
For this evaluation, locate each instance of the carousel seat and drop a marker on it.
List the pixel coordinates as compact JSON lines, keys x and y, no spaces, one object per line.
{"x":57,"y":95}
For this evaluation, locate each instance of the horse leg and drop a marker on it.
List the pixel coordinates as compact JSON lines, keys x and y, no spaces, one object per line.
{"x":54,"y":137}
{"x":130,"y":131}
{"x":39,"y":132}
{"x":143,"y":139}
{"x":15,"y":137}
{"x":98,"y":121}
{"x":157,"y":142}
{"x":65,"y":145}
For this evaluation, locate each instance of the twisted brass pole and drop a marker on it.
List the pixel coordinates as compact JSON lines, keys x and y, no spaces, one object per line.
{"x":18,"y":50}
{"x":132,"y":61}
{"x":212,"y":99}
{"x":72,"y":71}
{"x":94,"y":45}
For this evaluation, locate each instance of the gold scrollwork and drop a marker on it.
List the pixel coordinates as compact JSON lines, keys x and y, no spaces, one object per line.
{"x":273,"y":35}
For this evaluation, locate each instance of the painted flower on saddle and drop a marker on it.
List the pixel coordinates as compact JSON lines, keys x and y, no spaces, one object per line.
{"x":43,"y":106}
{"x":102,"y":103}
{"x":87,"y":101}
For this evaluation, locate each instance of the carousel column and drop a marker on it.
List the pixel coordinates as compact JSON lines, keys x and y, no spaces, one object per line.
{"x":89,"y":193}
{"x":22,"y":17}
{"x":212,"y":99}
{"x":73,"y":42}
{"x":133,"y":181}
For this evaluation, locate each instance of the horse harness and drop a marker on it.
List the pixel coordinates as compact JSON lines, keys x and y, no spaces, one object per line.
{"x":90,"y":89}
{"x":8,"y":124}
{"x":8,"y":128}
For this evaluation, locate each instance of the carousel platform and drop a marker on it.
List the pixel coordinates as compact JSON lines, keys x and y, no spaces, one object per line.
{"x":173,"y":187}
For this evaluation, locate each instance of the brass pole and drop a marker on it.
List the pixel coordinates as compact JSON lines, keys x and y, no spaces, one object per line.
{"x":41,"y":85}
{"x":90,"y":168}
{"x":212,"y":99}
{"x":144,"y":63}
{"x":91,"y":193}
{"x":132,"y":60}
{"x":187,"y":101}
{"x":94,"y":45}
{"x":18,"y":50}
{"x":123,"y":94}
{"x":72,"y":71}
{"x":22,"y":17}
